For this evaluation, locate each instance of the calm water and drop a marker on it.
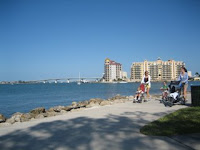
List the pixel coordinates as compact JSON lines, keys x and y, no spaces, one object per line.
{"x":24,"y":97}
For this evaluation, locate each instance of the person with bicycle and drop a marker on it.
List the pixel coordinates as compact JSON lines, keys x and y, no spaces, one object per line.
{"x":146,"y":80}
{"x":183,"y":78}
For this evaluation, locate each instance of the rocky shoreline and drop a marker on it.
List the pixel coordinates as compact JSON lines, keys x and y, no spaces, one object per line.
{"x":41,"y":112}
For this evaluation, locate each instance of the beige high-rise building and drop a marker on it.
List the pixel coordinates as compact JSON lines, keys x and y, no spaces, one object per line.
{"x":112,"y":70}
{"x":158,"y":70}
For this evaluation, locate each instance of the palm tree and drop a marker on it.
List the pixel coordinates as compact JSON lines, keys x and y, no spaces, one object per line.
{"x":197,"y":74}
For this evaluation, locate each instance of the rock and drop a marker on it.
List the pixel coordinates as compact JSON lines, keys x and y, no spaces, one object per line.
{"x":105,"y":102}
{"x":38,"y":110}
{"x":50,"y":113}
{"x":40,"y":116}
{"x":10,"y":120}
{"x":83,"y":103}
{"x":92,"y":104}
{"x":25,"y":117}
{"x":67,"y":108}
{"x":63,"y":111}
{"x":74,"y":104}
{"x":95,"y":100}
{"x":117,"y":97}
{"x":56,"y":109}
{"x":51,"y":110}
{"x":15,"y":118}
{"x":45,"y":114}
{"x":2,"y":118}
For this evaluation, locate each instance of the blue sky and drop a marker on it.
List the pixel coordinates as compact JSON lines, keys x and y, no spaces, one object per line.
{"x":42,"y":39}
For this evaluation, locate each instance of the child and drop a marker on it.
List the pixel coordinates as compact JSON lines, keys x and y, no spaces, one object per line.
{"x":165,"y":89}
{"x":139,"y":92}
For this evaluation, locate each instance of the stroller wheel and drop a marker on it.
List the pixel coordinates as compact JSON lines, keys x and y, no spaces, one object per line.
{"x":141,"y":99}
{"x":164,"y":102}
{"x":170,"y":104}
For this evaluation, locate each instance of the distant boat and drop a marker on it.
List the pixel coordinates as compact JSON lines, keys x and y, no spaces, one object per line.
{"x":123,"y":82}
{"x":114,"y":82}
{"x":79,"y":82}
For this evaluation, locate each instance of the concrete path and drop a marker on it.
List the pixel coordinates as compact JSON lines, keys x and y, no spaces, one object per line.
{"x":114,"y":127}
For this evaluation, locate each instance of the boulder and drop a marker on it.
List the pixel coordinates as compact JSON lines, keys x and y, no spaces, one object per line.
{"x":105,"y":102}
{"x":25,"y":117}
{"x":117,"y":97}
{"x":74,"y":104}
{"x":63,"y":111}
{"x":15,"y":118}
{"x":39,"y":116}
{"x":50,"y":110}
{"x":92,"y":104}
{"x":95,"y":100}
{"x":38,"y":110}
{"x":10,"y":120}
{"x":2,"y":118}
{"x":83,"y":103}
{"x":56,"y":109}
{"x":50,"y":113}
{"x":67,"y":108}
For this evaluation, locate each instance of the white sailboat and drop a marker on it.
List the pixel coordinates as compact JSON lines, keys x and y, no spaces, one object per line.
{"x":68,"y":81}
{"x":79,"y":82}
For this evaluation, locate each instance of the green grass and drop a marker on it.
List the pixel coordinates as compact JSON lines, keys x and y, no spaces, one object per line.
{"x":183,"y":121}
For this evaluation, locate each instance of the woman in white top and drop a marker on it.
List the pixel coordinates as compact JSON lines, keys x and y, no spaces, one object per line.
{"x":146,"y":80}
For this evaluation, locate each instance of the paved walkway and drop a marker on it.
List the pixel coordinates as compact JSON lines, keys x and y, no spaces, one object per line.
{"x":114,"y":127}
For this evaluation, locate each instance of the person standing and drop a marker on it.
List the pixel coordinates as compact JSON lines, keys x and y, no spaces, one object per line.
{"x":183,"y":78}
{"x":146,"y":80}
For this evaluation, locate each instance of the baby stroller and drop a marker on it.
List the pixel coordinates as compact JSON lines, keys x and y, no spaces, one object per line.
{"x":140,"y":94}
{"x":175,"y":94}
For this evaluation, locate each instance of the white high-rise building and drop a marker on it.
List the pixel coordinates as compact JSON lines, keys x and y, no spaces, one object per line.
{"x":112,"y":70}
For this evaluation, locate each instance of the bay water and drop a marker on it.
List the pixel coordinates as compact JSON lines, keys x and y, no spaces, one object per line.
{"x":25,"y":97}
